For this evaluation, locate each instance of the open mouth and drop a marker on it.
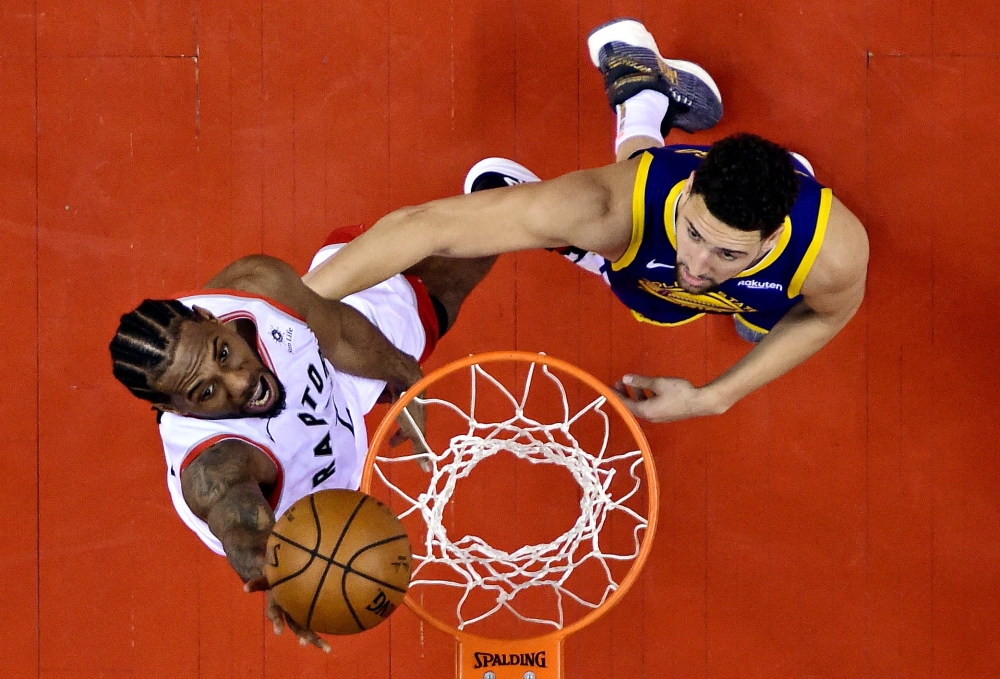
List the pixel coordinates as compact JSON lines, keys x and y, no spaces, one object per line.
{"x":693,"y":281}
{"x":262,"y":398}
{"x":693,"y":284}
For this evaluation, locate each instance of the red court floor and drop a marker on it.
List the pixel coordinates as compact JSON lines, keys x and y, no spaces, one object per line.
{"x":842,"y":522}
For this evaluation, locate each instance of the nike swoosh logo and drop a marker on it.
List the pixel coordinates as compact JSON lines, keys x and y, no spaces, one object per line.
{"x":653,"y":264}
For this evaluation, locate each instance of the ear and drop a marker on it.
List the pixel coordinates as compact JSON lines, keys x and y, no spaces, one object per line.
{"x":204,"y":314}
{"x":686,"y":191}
{"x":770,"y":241}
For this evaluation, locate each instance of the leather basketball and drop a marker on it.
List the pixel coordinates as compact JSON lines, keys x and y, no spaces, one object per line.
{"x":338,"y":562}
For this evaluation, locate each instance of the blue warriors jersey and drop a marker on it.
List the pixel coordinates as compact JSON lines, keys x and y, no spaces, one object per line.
{"x":644,"y":277}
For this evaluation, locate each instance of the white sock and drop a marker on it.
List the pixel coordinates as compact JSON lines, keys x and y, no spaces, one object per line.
{"x":640,"y":116}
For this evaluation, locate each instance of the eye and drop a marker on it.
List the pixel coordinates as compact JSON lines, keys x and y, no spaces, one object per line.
{"x":693,"y":234}
{"x":223,"y":353}
{"x":728,"y":256}
{"x":207,"y":392}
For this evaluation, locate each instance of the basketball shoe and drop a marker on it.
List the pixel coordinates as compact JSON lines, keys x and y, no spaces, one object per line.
{"x":495,"y":173}
{"x":627,"y":56}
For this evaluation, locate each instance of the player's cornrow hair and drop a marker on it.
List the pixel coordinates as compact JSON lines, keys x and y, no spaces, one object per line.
{"x":143,"y":346}
{"x":748,"y":183}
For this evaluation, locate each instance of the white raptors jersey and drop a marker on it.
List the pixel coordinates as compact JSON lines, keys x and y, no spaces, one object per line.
{"x":319,"y":439}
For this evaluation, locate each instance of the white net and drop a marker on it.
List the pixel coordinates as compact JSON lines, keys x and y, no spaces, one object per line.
{"x":609,"y":489}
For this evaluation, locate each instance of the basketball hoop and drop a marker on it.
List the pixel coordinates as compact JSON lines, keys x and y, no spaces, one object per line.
{"x":514,"y":605}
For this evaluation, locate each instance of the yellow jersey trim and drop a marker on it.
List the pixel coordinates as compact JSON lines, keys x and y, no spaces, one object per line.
{"x":779,"y":247}
{"x":805,"y":266}
{"x":643,"y":319}
{"x":670,"y":214}
{"x":755,"y":328}
{"x":638,"y":213}
{"x":670,"y":223}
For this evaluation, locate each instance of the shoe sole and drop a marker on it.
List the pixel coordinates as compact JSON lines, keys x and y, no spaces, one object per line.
{"x":500,"y":166}
{"x":805,"y":163}
{"x":632,"y":32}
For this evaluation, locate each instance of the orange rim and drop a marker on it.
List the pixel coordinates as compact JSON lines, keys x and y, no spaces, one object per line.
{"x":652,"y":486}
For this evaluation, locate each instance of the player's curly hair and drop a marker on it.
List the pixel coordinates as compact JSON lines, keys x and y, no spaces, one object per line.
{"x":144,"y":345}
{"x":748,"y":183}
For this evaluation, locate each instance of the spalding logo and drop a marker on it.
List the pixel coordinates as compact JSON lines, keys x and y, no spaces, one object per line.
{"x":536,"y":659}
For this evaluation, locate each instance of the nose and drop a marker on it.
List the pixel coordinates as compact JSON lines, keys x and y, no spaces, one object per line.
{"x":697,"y":262}
{"x":238,"y":382}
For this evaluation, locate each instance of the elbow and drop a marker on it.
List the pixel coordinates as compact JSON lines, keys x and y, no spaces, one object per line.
{"x":418,"y":226}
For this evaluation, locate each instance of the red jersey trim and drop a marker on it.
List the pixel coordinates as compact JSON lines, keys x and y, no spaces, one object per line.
{"x":345,"y":234}
{"x":274,"y":496}
{"x":246,"y":315}
{"x":428,"y":317}
{"x":241,"y":293}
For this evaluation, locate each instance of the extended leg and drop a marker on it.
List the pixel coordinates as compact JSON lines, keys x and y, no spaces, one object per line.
{"x":650,"y":94}
{"x":450,"y":281}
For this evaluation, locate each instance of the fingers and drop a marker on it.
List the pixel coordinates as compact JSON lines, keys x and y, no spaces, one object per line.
{"x":400,"y":437}
{"x":640,"y":408}
{"x":640,"y":382}
{"x":637,"y":392}
{"x":307,"y":636}
{"x":279,"y":619}
{"x":397,"y":439}
{"x":275,"y":615}
{"x":630,"y":393}
{"x":411,"y":427}
{"x":257,"y":585}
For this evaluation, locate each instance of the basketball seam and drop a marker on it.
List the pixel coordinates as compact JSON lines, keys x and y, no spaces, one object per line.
{"x":334,"y":562}
{"x":312,"y":556}
{"x":313,"y":553}
{"x":350,"y":569}
{"x":340,"y":540}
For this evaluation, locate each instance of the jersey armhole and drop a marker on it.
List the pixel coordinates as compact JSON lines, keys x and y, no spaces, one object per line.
{"x":805,"y":266}
{"x":230,"y":292}
{"x":273,"y":497}
{"x":638,"y":213}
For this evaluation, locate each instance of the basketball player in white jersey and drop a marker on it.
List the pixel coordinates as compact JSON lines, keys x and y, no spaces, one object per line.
{"x":262,"y":386}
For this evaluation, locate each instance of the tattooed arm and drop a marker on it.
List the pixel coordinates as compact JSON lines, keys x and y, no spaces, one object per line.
{"x":222,"y":486}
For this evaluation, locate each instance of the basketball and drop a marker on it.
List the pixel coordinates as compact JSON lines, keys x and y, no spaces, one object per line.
{"x":338,"y":562}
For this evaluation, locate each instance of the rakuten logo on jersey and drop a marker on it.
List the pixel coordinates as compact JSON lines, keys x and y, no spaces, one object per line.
{"x":760,"y":285}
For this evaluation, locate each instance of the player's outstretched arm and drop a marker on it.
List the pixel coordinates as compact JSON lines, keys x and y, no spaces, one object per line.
{"x":222,"y":486}
{"x":346,"y":337}
{"x":591,"y":209}
{"x":831,"y":295}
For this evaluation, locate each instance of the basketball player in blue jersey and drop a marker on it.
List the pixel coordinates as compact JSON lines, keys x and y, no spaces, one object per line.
{"x":741,"y":227}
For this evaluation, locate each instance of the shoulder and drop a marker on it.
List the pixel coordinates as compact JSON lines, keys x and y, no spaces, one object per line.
{"x":266,"y":276}
{"x":608,"y":184}
{"x":599,"y":202}
{"x":842,"y":262}
{"x":207,"y":479}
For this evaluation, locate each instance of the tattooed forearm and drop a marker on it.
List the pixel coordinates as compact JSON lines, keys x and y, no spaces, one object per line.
{"x":222,"y":486}
{"x":210,"y":476}
{"x":242,"y":506}
{"x":242,"y":521}
{"x":245,"y":551}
